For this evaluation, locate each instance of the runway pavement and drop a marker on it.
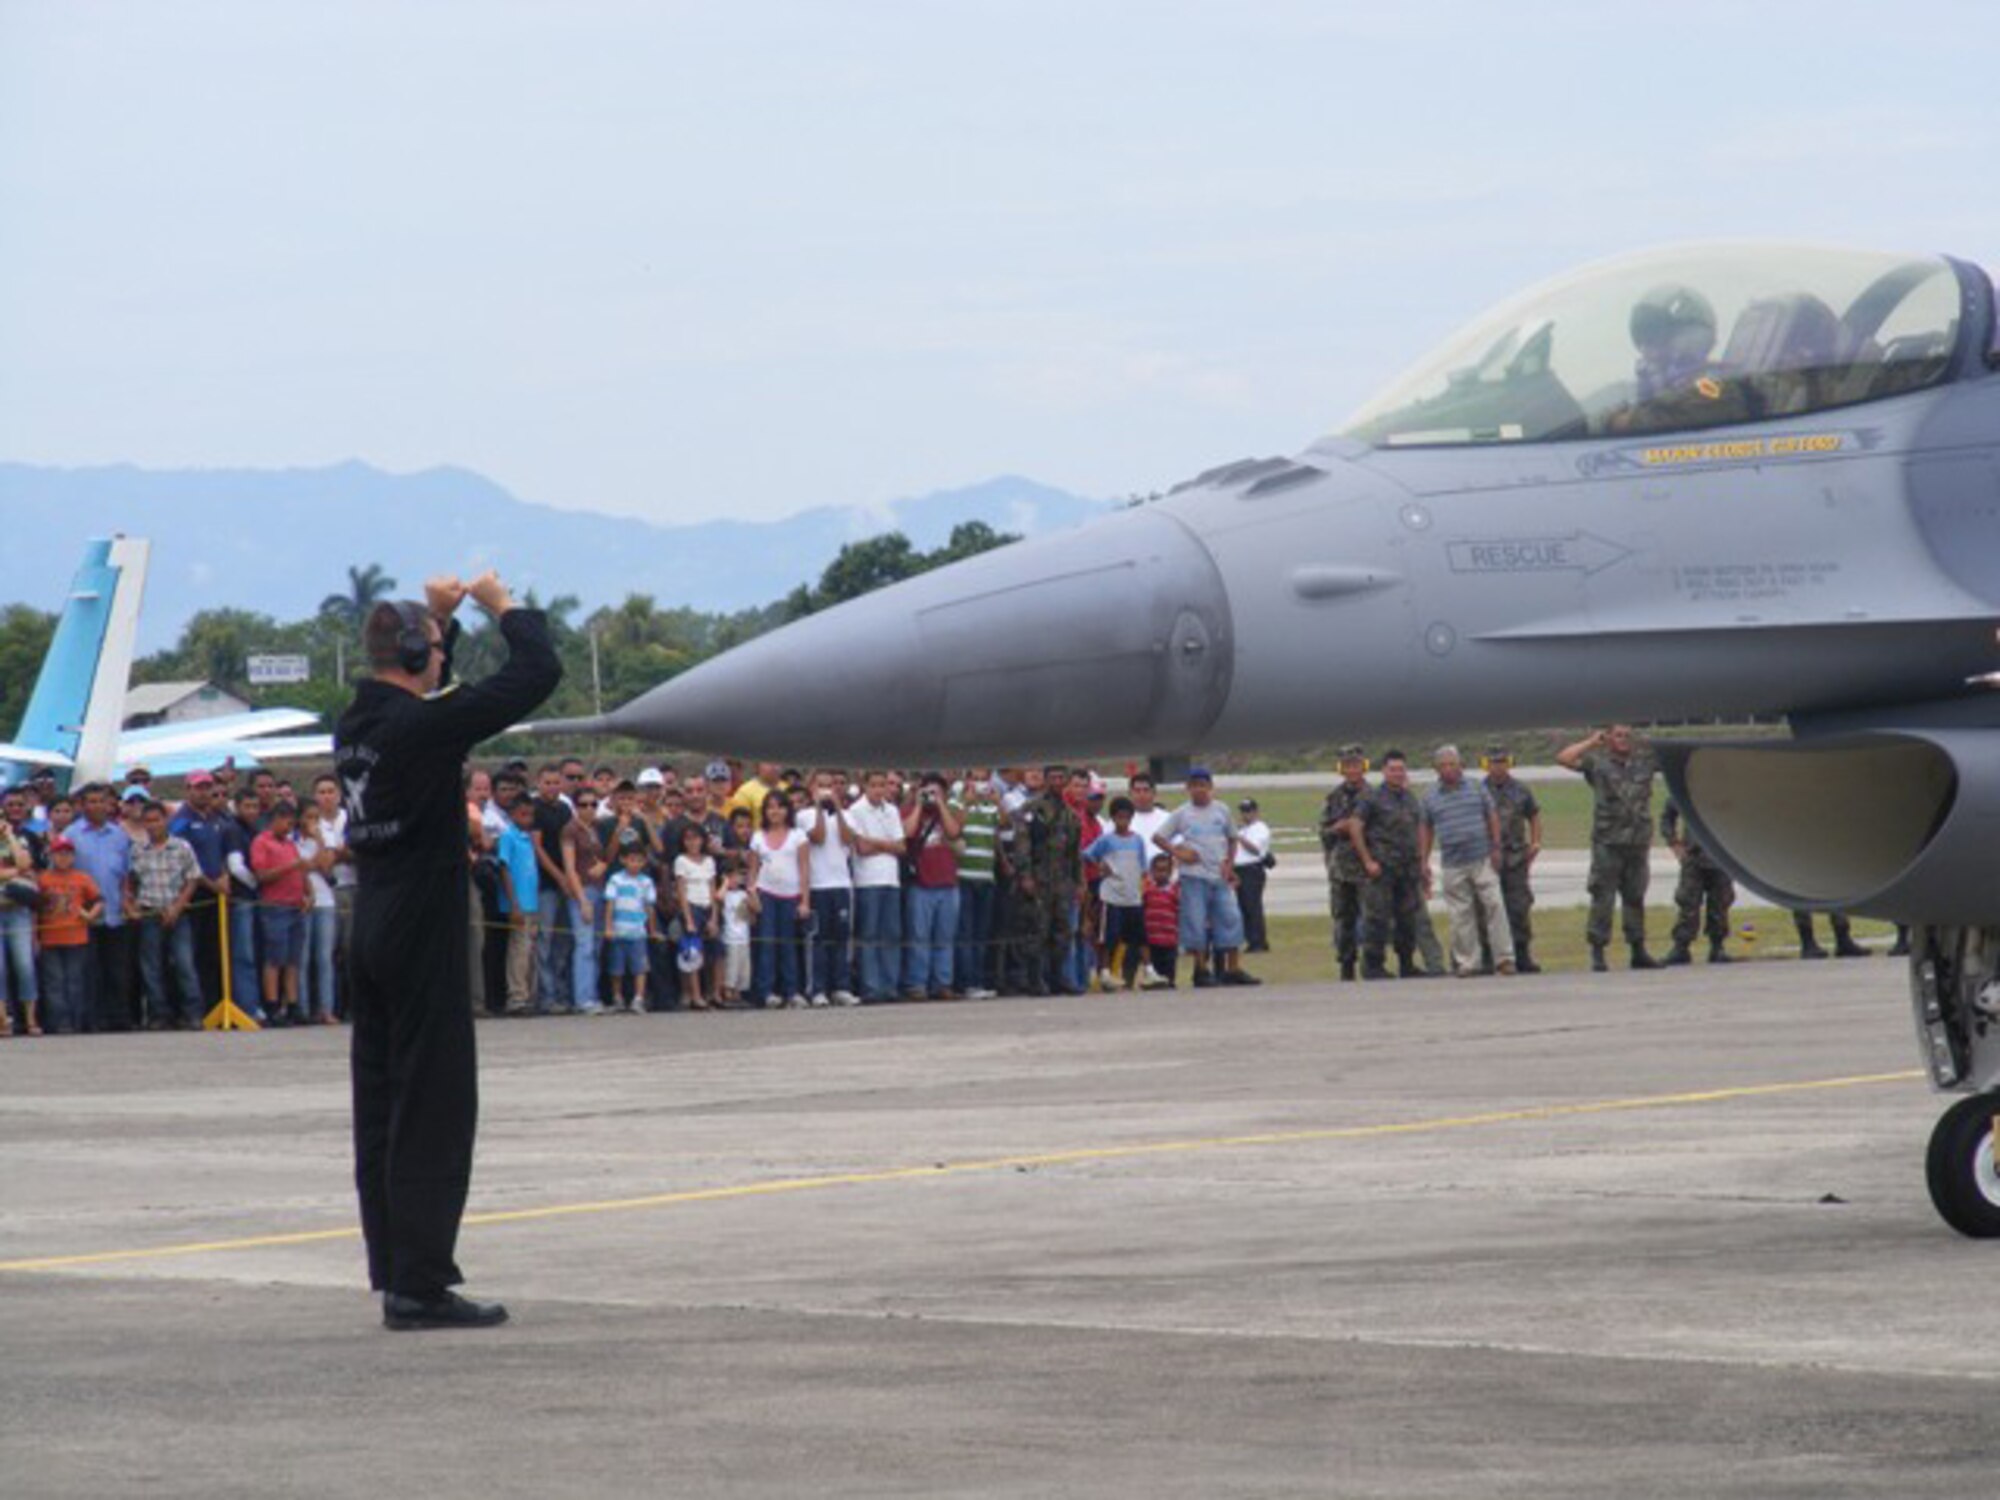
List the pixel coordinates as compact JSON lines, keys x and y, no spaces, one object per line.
{"x":1650,"y":1235}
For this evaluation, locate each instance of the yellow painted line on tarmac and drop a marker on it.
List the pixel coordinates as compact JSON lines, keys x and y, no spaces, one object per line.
{"x":1003,"y":1163}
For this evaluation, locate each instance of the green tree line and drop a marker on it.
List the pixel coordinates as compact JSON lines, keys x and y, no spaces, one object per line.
{"x":638,"y":642}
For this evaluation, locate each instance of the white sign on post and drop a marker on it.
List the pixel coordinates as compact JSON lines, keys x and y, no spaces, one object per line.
{"x":269,"y":671}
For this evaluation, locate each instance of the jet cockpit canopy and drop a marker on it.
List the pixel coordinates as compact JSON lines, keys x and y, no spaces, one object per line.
{"x":1676,"y":339}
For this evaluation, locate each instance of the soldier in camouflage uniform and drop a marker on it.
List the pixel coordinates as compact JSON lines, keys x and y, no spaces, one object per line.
{"x":1844,"y":945}
{"x":1520,"y":843}
{"x":1702,"y":880}
{"x":1620,"y":772}
{"x":1429,"y":949}
{"x":1346,"y":879}
{"x":1047,"y":862}
{"x":1384,"y":833}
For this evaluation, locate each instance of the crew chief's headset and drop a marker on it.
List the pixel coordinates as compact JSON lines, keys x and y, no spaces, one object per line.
{"x":413,"y":638}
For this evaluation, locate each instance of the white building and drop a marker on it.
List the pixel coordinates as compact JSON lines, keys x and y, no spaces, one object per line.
{"x":178,"y":703}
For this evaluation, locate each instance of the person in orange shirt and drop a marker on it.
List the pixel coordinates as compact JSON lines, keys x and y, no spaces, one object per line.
{"x":71,"y":902}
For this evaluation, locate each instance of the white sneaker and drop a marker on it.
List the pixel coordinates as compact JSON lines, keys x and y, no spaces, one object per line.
{"x":1151,"y":978}
{"x":846,"y":997}
{"x":774,"y":1002}
{"x":795,"y":1002}
{"x":1107,"y":980}
{"x":819,"y":1000}
{"x":981,"y":994}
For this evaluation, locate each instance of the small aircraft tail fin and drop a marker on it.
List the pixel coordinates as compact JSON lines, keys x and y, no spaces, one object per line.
{"x":78,"y":703}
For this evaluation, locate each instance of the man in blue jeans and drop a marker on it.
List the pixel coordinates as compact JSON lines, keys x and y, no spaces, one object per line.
{"x":930,"y":919}
{"x":878,"y":893}
{"x":162,"y":879}
{"x":1201,"y":836}
{"x":552,"y":943}
{"x":244,"y":982}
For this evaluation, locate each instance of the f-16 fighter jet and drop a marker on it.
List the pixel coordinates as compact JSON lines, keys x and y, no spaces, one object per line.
{"x":1717,"y":481}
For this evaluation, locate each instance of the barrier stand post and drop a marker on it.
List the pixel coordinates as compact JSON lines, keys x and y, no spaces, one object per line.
{"x":225,"y":1016}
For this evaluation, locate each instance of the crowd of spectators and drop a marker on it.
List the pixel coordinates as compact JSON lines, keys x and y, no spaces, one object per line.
{"x":601,"y":894}
{"x":782,"y":888}
{"x":121,"y":910}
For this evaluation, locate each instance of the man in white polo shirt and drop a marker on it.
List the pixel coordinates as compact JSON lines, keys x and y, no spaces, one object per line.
{"x":876,"y":825}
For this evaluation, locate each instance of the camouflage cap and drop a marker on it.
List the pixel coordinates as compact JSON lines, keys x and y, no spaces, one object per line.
{"x":1498,"y":751}
{"x":1352,"y":752}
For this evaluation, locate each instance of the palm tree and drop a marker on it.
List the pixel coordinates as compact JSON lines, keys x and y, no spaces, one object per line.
{"x":364,"y":587}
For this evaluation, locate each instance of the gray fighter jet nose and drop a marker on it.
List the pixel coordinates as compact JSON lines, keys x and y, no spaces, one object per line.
{"x":1114,"y":638}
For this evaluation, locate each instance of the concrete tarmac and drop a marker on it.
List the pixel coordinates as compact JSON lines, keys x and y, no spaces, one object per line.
{"x":1644,"y":1235}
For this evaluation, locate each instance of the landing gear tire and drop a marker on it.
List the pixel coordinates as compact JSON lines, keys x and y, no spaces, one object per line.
{"x":1961,"y":1169}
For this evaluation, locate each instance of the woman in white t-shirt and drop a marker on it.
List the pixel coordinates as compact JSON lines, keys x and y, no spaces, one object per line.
{"x":781,"y":886}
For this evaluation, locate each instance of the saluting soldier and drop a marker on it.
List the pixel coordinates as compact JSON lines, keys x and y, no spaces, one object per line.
{"x":399,"y":752}
{"x":1346,"y":878}
{"x":1702,"y":882}
{"x":1384,"y":831}
{"x":1620,"y":772}
{"x":1520,"y":845}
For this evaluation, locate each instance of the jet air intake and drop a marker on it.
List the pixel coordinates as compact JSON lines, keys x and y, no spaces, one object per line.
{"x":1898,"y":824}
{"x":1111,"y":639}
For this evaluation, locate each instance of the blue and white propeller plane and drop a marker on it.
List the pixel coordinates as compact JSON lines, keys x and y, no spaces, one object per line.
{"x":74,"y":723}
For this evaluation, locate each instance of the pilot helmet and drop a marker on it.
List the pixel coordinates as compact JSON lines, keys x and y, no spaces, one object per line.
{"x":1673,"y":323}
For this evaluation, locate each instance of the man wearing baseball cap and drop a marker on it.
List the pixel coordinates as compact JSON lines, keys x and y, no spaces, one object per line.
{"x":1253,"y":849}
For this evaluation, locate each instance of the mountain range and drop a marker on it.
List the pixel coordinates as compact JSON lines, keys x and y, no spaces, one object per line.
{"x":279,"y":540}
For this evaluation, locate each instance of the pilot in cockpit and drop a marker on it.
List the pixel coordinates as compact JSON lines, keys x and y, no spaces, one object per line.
{"x":1677,"y":382}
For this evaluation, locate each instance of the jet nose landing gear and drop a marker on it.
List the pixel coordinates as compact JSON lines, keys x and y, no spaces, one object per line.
{"x":1952,"y":990}
{"x":1960,"y":1168}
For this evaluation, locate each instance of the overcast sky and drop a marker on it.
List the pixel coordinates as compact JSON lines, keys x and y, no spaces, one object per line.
{"x":702,"y":259}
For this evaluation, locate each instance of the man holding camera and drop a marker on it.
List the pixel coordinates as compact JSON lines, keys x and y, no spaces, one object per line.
{"x":832,"y":892}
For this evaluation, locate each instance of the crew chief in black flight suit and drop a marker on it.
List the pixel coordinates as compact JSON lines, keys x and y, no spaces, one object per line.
{"x":399,"y":752}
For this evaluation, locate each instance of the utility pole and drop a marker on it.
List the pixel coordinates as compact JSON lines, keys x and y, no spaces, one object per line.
{"x":596,"y":680}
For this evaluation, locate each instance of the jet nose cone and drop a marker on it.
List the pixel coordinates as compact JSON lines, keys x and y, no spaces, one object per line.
{"x":1111,"y":639}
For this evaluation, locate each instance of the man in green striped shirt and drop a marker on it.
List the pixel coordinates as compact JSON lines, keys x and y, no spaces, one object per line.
{"x":973,"y":961}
